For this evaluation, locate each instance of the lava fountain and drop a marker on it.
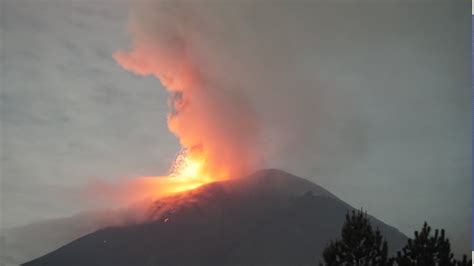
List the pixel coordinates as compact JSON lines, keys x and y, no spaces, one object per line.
{"x":189,"y":170}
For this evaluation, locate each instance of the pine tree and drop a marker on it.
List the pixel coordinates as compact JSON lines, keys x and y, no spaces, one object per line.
{"x":428,"y":250}
{"x":464,"y":262}
{"x":359,"y":244}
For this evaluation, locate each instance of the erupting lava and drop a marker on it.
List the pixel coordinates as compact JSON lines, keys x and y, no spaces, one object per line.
{"x":189,"y":165}
{"x":190,"y":170}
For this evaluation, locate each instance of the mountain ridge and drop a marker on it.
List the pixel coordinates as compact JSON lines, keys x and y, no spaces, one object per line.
{"x":268,"y":218}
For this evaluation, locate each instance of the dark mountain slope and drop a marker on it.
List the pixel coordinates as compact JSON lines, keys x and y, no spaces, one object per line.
{"x":268,"y":218}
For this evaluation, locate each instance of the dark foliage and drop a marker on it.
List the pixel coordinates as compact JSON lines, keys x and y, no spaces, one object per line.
{"x":464,"y":261}
{"x":359,"y":244}
{"x":427,"y":249}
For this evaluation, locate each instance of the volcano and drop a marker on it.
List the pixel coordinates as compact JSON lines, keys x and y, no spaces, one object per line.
{"x":268,"y":218}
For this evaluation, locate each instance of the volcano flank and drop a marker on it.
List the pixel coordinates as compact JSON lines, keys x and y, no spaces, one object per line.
{"x":268,"y":218}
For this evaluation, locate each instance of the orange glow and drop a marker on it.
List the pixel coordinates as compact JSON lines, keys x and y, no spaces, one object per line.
{"x":189,"y":164}
{"x":190,"y":170}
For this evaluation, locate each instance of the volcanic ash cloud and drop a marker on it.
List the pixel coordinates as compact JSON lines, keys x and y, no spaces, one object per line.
{"x":179,"y":45}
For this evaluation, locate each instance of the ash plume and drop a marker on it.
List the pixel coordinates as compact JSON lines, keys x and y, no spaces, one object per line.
{"x":209,"y":115}
{"x":245,"y":82}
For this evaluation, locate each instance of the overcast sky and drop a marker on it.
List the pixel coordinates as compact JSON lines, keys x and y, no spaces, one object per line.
{"x":373,"y":106}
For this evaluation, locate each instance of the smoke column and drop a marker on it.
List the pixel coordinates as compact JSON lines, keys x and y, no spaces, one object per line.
{"x":211,"y":117}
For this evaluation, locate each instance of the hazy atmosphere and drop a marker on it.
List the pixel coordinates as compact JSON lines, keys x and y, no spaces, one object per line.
{"x":370,"y":101}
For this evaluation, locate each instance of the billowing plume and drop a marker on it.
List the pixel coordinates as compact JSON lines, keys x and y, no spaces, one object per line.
{"x":212,"y":118}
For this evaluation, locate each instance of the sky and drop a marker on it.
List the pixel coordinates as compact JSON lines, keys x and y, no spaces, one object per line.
{"x":373,"y":106}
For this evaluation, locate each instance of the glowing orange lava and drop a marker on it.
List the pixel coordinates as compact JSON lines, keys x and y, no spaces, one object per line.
{"x":190,"y":170}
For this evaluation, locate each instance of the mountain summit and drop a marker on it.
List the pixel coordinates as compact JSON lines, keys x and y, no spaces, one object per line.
{"x":268,"y":218}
